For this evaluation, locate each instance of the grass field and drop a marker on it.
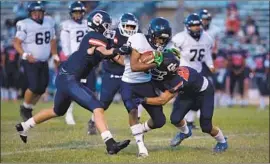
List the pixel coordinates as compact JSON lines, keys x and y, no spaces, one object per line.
{"x":54,"y":141}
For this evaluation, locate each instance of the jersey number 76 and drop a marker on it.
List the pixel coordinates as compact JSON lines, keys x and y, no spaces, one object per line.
{"x":195,"y":52}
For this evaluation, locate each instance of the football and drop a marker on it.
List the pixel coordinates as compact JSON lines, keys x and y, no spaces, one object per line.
{"x":147,"y":57}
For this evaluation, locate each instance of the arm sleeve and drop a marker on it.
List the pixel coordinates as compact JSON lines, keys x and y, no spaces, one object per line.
{"x":208,"y":56}
{"x":21,"y":30}
{"x":53,"y":25}
{"x":90,"y":40}
{"x":65,"y":40}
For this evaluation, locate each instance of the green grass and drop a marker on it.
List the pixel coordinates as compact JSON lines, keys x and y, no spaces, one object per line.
{"x":54,"y":141}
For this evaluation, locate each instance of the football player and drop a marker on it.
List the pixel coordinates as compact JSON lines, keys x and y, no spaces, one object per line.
{"x":136,"y":81}
{"x":238,"y":72}
{"x":195,"y":46}
{"x":261,"y":73}
{"x":68,"y":85}
{"x":220,"y":64}
{"x":113,"y":71}
{"x":72,"y":32}
{"x":189,"y":87}
{"x":34,"y":41}
{"x":11,"y":72}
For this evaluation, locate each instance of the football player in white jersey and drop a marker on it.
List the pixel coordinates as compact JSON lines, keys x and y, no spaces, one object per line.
{"x":35,"y":40}
{"x":195,"y":46}
{"x":72,"y":32}
{"x":136,"y":82}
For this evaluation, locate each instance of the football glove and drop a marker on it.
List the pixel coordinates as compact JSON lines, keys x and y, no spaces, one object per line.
{"x":158,"y":57}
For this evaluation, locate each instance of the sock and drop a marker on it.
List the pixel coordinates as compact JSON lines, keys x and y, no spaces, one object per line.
{"x":190,"y":116}
{"x":262,"y":103}
{"x":137,"y":132}
{"x":217,"y":99}
{"x":184,"y":128}
{"x":4,"y":94}
{"x":70,"y":109}
{"x":93,"y":118}
{"x":28,"y":106}
{"x":220,"y":137}
{"x":146,"y":127}
{"x":30,"y":123}
{"x":140,"y":110}
{"x":13,"y":93}
{"x":106,"y":136}
{"x":198,"y":113}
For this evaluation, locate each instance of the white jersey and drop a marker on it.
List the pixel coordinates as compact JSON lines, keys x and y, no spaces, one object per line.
{"x":36,"y":37}
{"x":193,"y":53}
{"x":71,"y":35}
{"x":138,"y":42}
{"x":213,"y":31}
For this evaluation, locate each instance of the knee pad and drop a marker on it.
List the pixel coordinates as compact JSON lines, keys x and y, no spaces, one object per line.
{"x":159,"y":121}
{"x":206,"y":124}
{"x":105,"y":105}
{"x":175,"y":120}
{"x":129,"y":104}
{"x":38,"y":90}
{"x":59,"y":112}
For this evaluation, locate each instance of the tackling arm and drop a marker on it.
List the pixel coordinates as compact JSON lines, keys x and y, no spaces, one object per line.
{"x":160,"y":100}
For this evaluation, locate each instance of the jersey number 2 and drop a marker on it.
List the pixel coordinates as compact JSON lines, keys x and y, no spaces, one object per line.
{"x":80,"y":35}
{"x":40,"y":37}
{"x":195,"y":52}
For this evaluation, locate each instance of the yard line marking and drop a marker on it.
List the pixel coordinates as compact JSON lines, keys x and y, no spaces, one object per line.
{"x":133,"y":143}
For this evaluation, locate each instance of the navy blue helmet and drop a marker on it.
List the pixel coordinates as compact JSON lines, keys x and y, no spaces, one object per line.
{"x":100,"y":21}
{"x":36,"y":6}
{"x":77,"y":7}
{"x":205,"y":15}
{"x":167,"y":69}
{"x":159,"y":28}
{"x":128,"y":20}
{"x":194,"y":20}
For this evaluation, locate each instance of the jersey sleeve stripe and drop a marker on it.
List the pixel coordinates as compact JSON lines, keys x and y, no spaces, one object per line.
{"x":96,"y":42}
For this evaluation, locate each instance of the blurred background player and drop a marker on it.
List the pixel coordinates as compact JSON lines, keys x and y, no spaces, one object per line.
{"x":34,"y":39}
{"x":10,"y":63}
{"x":195,"y":46}
{"x":238,"y":72}
{"x":112,"y":71}
{"x":261,"y":73}
{"x":72,"y":32}
{"x":136,"y":81}
{"x":219,"y":79}
{"x":69,"y":87}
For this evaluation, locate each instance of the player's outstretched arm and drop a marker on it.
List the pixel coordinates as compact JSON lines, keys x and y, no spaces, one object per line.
{"x":160,"y":100}
{"x":135,"y":63}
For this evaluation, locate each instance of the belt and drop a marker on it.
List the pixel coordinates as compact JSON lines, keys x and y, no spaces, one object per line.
{"x":205,"y":84}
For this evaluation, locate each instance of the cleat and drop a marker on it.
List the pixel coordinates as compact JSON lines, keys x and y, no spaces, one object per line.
{"x":70,"y":119}
{"x":180,"y":137}
{"x":21,"y":132}
{"x":92,"y":130}
{"x":117,"y":146}
{"x":221,"y":147}
{"x":25,"y":113}
{"x":143,"y":153}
